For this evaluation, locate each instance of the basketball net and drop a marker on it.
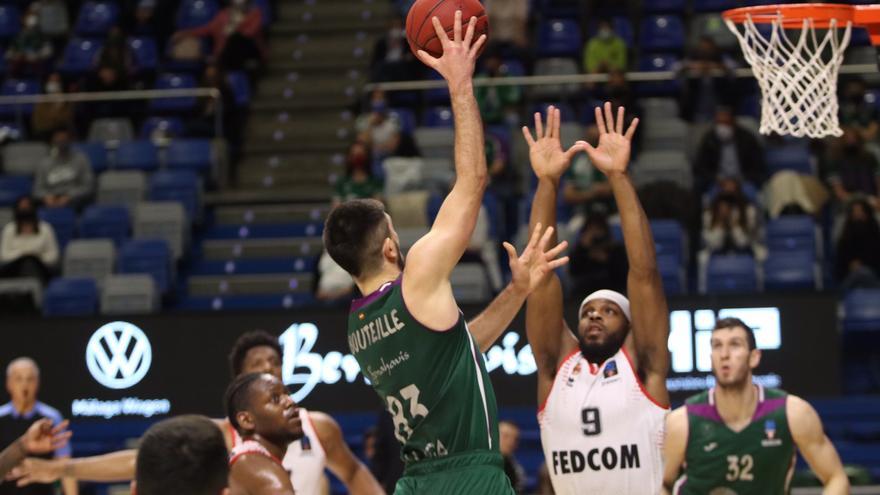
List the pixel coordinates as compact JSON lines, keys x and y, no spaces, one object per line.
{"x":798,"y":78}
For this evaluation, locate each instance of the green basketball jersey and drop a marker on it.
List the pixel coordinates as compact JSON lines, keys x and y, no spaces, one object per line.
{"x":758,"y":460}
{"x":434,"y":384}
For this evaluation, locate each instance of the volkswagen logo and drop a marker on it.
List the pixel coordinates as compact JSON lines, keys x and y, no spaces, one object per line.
{"x":119,"y":355}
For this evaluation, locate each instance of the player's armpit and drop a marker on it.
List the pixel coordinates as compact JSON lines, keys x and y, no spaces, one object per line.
{"x":340,"y":459}
{"x":817,"y":449}
{"x":258,"y":475}
{"x":674,"y":446}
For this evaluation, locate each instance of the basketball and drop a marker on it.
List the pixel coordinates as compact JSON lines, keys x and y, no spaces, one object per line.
{"x":420,"y":30}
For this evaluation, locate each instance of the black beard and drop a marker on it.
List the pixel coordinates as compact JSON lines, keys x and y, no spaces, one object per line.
{"x":598,"y":353}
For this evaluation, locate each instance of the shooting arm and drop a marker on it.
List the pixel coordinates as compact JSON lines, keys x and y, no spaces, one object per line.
{"x":491,"y":323}
{"x":340,"y":460}
{"x":817,"y":449}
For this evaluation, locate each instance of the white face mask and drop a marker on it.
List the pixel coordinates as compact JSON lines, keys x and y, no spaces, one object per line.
{"x":605,"y":33}
{"x":724,"y":132}
{"x":31,"y":21}
{"x":53,"y":87}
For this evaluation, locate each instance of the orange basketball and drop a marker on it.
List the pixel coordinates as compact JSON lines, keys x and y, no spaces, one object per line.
{"x":420,"y":30}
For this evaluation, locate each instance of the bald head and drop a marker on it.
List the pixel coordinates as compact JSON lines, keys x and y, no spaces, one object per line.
{"x":22,"y":365}
{"x":22,"y":382}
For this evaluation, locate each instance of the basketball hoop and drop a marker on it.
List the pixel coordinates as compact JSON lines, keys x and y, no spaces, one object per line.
{"x":797,"y":73}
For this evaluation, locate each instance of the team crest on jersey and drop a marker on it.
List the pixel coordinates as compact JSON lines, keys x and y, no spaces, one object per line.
{"x":610,"y":369}
{"x":770,"y":439}
{"x":306,"y":445}
{"x":575,"y":372}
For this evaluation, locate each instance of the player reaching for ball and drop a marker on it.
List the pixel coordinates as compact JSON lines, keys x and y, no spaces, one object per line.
{"x":408,"y":334}
{"x":602,"y":388}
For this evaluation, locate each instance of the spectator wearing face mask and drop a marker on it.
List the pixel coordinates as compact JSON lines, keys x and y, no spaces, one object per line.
{"x":728,"y":150}
{"x":65,"y":177}
{"x":358,"y":182}
{"x":30,"y":50}
{"x":605,"y":52}
{"x":237,"y":33}
{"x":380,"y":131}
{"x":497,"y":101}
{"x":28,"y":247}
{"x":851,"y":170}
{"x":730,"y":224}
{"x":858,"y":249}
{"x":51,"y":115}
{"x":708,"y":83}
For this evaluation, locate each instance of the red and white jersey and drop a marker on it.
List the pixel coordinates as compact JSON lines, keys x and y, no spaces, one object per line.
{"x":305,"y":459}
{"x":601,"y":432}
{"x":250,"y":447}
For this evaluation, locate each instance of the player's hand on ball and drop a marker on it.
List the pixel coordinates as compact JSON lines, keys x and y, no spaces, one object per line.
{"x":548,"y":158}
{"x":530,"y":268}
{"x":459,"y":54}
{"x":611,"y":156}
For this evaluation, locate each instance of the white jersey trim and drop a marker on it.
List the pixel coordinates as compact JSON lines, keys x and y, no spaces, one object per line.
{"x":474,"y":355}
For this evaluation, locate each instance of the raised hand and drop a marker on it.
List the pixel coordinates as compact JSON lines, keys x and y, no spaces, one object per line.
{"x":611,"y":156}
{"x":456,"y":65}
{"x":536,"y":261}
{"x":42,"y":438}
{"x":548,"y":158}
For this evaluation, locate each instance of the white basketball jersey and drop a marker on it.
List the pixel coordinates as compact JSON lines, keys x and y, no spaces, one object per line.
{"x":600,"y":431}
{"x":305,"y":459}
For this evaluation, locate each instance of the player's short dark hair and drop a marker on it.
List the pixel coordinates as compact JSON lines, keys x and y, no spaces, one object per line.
{"x":238,"y":396}
{"x":736,"y":322}
{"x":247,"y":341}
{"x":185,"y":454}
{"x":354,"y":234}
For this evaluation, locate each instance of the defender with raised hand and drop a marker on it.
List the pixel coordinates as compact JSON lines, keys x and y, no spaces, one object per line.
{"x":602,"y":388}
{"x":407,"y":333}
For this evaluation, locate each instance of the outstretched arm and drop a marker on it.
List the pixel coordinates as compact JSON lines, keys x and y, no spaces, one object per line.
{"x":107,"y":468}
{"x":545,"y":325}
{"x":340,"y":460}
{"x":817,"y":449}
{"x":650,"y":325}
{"x":431,"y":260}
{"x":528,"y":271}
{"x":40,"y":438}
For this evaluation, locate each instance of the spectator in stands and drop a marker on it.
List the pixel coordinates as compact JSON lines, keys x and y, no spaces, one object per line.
{"x":496,"y":102}
{"x":856,"y":112}
{"x":508,"y":441}
{"x":729,"y":150}
{"x":23,"y":410}
{"x":237,"y":33}
{"x":378,"y":130}
{"x":358,"y":182}
{"x":504,"y":184}
{"x":509,"y":31}
{"x":334,"y":283}
{"x":605,"y":52}
{"x":730,"y":224}
{"x":64,"y":178}
{"x":851,"y":170}
{"x":858,"y":249}
{"x":28,"y":247}
{"x":392,"y":59}
{"x":585,"y":189}
{"x":51,"y":115}
{"x":116,"y":54}
{"x":30,"y":51}
{"x":708,"y":82}
{"x":597,"y":260}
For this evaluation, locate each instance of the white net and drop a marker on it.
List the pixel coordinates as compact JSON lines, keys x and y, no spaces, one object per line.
{"x":798,"y":78}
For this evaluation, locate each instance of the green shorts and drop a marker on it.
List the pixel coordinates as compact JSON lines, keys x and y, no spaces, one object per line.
{"x":480,"y":472}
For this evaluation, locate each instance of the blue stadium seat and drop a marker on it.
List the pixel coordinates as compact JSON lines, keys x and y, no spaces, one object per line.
{"x":10,"y":21}
{"x":194,"y":13}
{"x":70,"y":297}
{"x":109,"y":222}
{"x":170,"y":126}
{"x":63,"y":222}
{"x":18,"y":87}
{"x":791,"y":232}
{"x":559,"y":38}
{"x":96,"y":18}
{"x":149,"y":256}
{"x":671,"y":272}
{"x":177,"y":185}
{"x":791,"y":157}
{"x":657,"y":63}
{"x":144,"y":53}
{"x":174,"y":81}
{"x":97,"y":154}
{"x":669,"y":238}
{"x":12,"y":131}
{"x":714,"y":5}
{"x":790,"y":270}
{"x":79,"y":56}
{"x":662,"y":33}
{"x":513,"y":68}
{"x":661,"y":6}
{"x":735,"y":273}
{"x":437,"y":96}
{"x":190,"y":154}
{"x":406,"y":118}
{"x":139,"y":155}
{"x":241,"y":88}
{"x":13,"y":187}
{"x":862,"y":311}
{"x":438,"y":117}
{"x":265,"y":8}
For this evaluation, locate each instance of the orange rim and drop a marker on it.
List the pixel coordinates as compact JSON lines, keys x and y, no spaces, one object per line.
{"x":792,"y":16}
